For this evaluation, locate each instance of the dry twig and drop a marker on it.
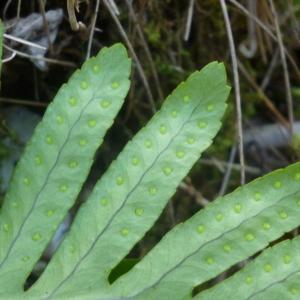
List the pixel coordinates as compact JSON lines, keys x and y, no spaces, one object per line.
{"x":268,"y":31}
{"x":18,"y":12}
{"x":269,"y":104}
{"x":23,"y":102}
{"x":226,"y":177}
{"x":289,"y":98}
{"x":92,"y":29}
{"x":193,"y":192}
{"x":43,"y":13}
{"x":49,"y":60}
{"x":189,"y":20}
{"x":131,"y":49}
{"x":270,"y":70}
{"x":22,"y":41}
{"x":248,"y":48}
{"x":147,"y":50}
{"x":236,"y":88}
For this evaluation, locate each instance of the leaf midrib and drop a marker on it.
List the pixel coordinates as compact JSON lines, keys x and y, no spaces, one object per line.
{"x":121,"y":206}
{"x":273,"y":284}
{"x":47,"y":179}
{"x":207,"y":243}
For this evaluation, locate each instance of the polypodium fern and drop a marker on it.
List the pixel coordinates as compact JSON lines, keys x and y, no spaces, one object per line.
{"x":128,"y":198}
{"x":273,"y":275}
{"x":227,"y":231}
{"x":131,"y":194}
{"x":57,"y":160}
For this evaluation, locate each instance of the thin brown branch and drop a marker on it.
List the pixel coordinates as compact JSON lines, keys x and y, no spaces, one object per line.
{"x":146,"y":48}
{"x":269,"y":32}
{"x":270,"y":70}
{"x":224,"y":164}
{"x":43,"y":13}
{"x":23,"y":102}
{"x":287,"y":83}
{"x":236,"y":89}
{"x":189,"y":20}
{"x":8,"y":3}
{"x":22,"y":41}
{"x":249,"y":46}
{"x":92,"y":30}
{"x":193,"y":192}
{"x":49,"y":60}
{"x":260,"y":93}
{"x":135,"y":58}
{"x":9,"y":58}
{"x":72,"y":15}
{"x":227,"y":175}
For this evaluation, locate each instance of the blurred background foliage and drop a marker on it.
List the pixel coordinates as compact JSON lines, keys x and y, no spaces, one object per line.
{"x":168,"y":40}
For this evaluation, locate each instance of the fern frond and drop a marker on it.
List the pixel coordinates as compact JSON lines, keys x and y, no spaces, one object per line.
{"x":273,"y":275}
{"x":130,"y":196}
{"x":57,"y":160}
{"x":227,"y":231}
{"x":132,"y":193}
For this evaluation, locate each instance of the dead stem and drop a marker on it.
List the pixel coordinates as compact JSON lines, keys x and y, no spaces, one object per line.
{"x":289,"y":98}
{"x":92,"y":30}
{"x":236,"y":89}
{"x":135,"y":58}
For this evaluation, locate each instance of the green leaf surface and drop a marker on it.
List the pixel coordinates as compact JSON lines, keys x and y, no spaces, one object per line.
{"x":134,"y":190}
{"x":91,"y":261}
{"x":57,"y":160}
{"x":227,"y":231}
{"x":273,"y":275}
